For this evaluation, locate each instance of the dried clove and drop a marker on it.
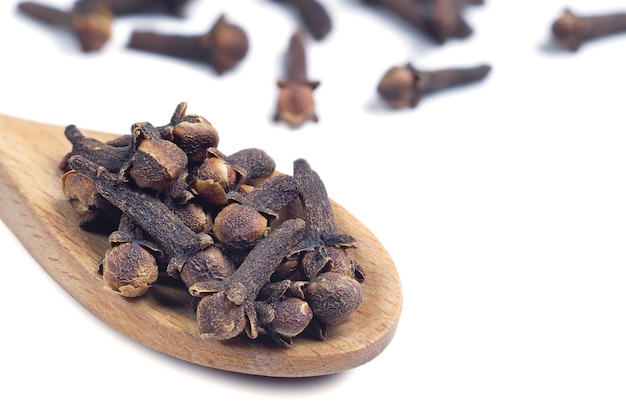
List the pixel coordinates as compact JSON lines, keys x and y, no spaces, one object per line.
{"x":333,"y":297}
{"x":90,"y":23}
{"x":438,"y":19}
{"x":269,"y":197}
{"x":129,"y":267}
{"x":194,"y":134}
{"x":283,"y":320}
{"x":156,"y":163}
{"x":334,"y":291}
{"x":113,"y":158}
{"x":210,"y":264}
{"x":223,"y":47}
{"x":295,"y":103}
{"x":404,"y":86}
{"x":227,"y":308}
{"x":219,"y":174}
{"x":411,"y":11}
{"x":571,"y":30}
{"x":321,"y":227}
{"x":212,"y":179}
{"x":314,"y":16}
{"x":246,"y":220}
{"x":445,"y":19}
{"x":240,"y":226}
{"x":126,"y":7}
{"x":248,"y":164}
{"x":194,"y":216}
{"x":96,"y":214}
{"x":148,"y":212}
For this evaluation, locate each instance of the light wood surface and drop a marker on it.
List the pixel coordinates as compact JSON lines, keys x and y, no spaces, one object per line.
{"x":33,"y":206}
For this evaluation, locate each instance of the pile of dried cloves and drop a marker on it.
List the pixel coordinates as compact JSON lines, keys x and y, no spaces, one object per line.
{"x":174,"y":206}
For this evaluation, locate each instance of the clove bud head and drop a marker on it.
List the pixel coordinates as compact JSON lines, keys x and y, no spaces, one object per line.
{"x":239,"y":226}
{"x":92,"y":26}
{"x":194,"y":135}
{"x":295,"y":104}
{"x":569,"y":30}
{"x":129,"y":269}
{"x":333,"y":297}
{"x":405,"y":86}
{"x":327,"y":259}
{"x":212,"y":179}
{"x":228,"y":45}
{"x":81,"y":192}
{"x":397,"y":87}
{"x":194,"y":216}
{"x":291,"y":317}
{"x":91,"y":207}
{"x":206,"y":265}
{"x":156,"y":163}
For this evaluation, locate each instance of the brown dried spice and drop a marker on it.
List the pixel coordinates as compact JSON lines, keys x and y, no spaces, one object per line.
{"x":90,"y":23}
{"x":274,"y":273}
{"x":404,"y":86}
{"x":223,"y":47}
{"x":295,"y":104}
{"x":221,"y":314}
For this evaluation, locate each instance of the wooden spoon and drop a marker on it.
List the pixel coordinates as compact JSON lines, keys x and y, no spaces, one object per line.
{"x":34,"y":207}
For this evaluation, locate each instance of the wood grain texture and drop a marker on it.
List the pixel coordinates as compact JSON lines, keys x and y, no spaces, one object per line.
{"x":33,"y":206}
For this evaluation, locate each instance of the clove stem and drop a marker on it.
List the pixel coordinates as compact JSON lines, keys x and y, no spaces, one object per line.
{"x":572,"y":30}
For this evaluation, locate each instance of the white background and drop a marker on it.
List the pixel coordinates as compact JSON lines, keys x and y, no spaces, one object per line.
{"x":502,"y":204}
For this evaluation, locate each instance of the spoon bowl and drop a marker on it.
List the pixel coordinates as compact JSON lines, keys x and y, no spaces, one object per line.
{"x":34,"y":207}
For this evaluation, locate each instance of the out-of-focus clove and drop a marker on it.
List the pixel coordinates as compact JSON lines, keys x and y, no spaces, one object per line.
{"x":295,"y":103}
{"x":284,"y":319}
{"x":126,"y":7}
{"x":440,"y":20}
{"x":404,"y":86}
{"x":90,"y":23}
{"x":223,"y":47}
{"x":411,"y":11}
{"x":445,"y":19}
{"x":571,"y":30}
{"x":129,"y":266}
{"x":313,"y":15}
{"x":193,"y":133}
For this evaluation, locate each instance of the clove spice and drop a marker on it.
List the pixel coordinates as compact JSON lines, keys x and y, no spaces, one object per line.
{"x":405,"y":86}
{"x":334,"y":291}
{"x":127,"y":7}
{"x":228,"y":306}
{"x":313,"y":15}
{"x":223,"y":47}
{"x":571,"y":30}
{"x":445,"y":19}
{"x":295,"y":103}
{"x":89,"y":23}
{"x":248,"y":218}
{"x":440,"y":20}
